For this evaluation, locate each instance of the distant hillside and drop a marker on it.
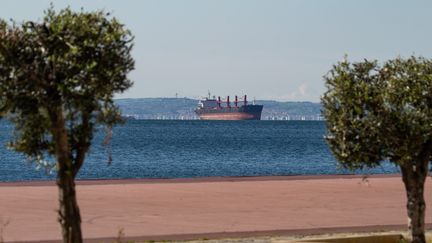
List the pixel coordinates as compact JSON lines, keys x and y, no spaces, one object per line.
{"x":290,"y":110}
{"x":183,"y":108}
{"x":154,"y":108}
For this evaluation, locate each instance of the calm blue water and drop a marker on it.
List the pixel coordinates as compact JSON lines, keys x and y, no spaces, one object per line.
{"x":174,"y":149}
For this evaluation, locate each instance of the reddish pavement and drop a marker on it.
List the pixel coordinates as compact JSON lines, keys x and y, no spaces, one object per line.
{"x":198,"y":208}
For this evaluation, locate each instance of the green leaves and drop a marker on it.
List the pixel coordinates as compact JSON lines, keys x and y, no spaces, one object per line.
{"x":377,"y":112}
{"x":68,"y":65}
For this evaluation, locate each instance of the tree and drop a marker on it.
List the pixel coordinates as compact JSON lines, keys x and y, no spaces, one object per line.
{"x":384,"y":113}
{"x":58,"y":77}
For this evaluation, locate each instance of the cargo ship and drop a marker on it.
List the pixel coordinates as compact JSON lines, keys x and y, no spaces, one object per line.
{"x":217,"y":109}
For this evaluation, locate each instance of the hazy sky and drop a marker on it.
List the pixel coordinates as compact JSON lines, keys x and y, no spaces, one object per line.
{"x":267,"y":49}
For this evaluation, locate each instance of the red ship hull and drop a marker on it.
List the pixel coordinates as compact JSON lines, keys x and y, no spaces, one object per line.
{"x":247,"y":112}
{"x":228,"y":116}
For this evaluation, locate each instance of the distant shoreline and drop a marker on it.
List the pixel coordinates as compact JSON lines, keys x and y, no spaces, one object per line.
{"x":184,"y":109}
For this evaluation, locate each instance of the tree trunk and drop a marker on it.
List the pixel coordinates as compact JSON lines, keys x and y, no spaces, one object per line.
{"x":69,"y":214}
{"x":414,"y":177}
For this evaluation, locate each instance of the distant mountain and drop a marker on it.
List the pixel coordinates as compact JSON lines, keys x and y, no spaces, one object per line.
{"x":290,"y":110}
{"x":158,"y":108}
{"x":183,"y":108}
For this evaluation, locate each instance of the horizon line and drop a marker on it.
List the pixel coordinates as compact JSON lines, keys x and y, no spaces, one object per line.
{"x":185,"y":97}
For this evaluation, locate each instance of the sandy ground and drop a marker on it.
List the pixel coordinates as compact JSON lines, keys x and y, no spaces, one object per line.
{"x":208,"y":208}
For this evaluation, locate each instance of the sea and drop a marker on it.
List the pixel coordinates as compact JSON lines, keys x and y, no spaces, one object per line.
{"x":194,"y":148}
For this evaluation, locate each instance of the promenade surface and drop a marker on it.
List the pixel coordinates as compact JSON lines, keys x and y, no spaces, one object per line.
{"x":212,"y":207}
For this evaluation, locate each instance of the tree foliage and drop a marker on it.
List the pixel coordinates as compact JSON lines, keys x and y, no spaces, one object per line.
{"x":376,"y":113}
{"x":382,"y":112}
{"x":73,"y":62}
{"x":57,"y":80}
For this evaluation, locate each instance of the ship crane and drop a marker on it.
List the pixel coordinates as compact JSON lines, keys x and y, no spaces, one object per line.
{"x":228,"y":102}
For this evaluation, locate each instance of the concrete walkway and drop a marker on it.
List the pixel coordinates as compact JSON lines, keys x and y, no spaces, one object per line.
{"x":206,"y":208}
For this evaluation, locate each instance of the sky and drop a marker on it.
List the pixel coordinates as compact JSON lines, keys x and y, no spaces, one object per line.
{"x":267,"y":49}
